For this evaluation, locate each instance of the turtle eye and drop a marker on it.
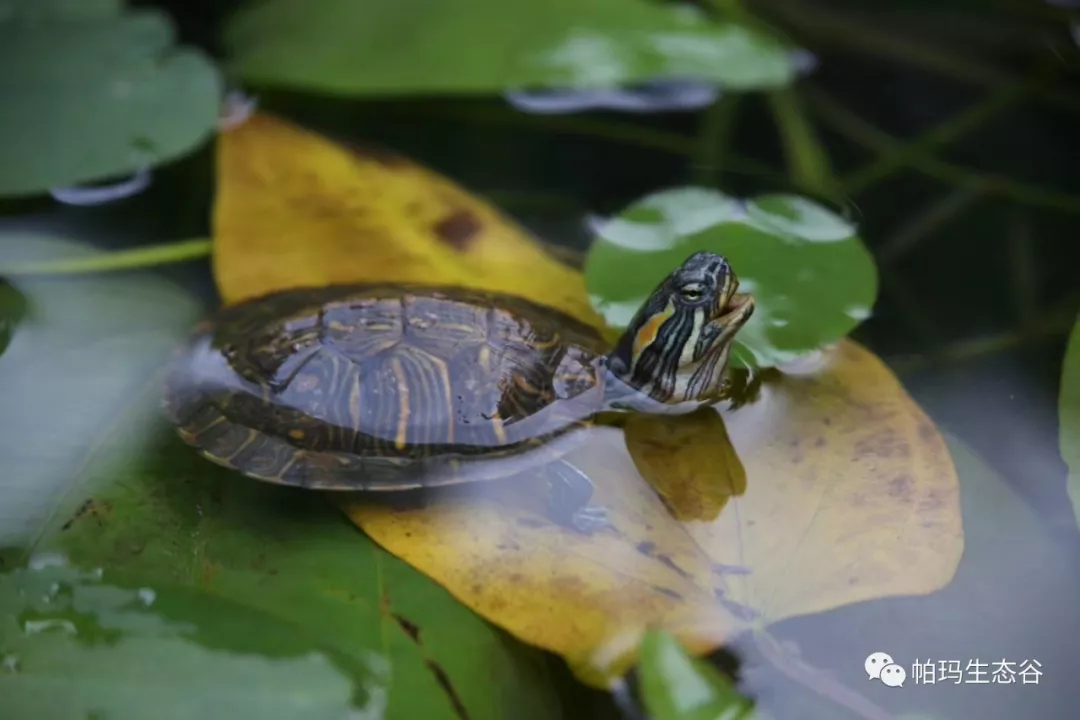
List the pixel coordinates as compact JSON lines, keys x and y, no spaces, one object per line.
{"x":691,"y":293}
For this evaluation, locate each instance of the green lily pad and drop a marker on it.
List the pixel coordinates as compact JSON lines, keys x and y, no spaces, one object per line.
{"x":1069,"y":409}
{"x":39,"y":10}
{"x":486,"y":46}
{"x":89,"y":95}
{"x":675,"y":686}
{"x":12,"y":310}
{"x":812,"y":278}
{"x":92,"y":472}
{"x":75,"y":646}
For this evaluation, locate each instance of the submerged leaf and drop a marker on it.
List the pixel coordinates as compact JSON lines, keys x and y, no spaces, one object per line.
{"x":812,"y":278}
{"x":850,"y":495}
{"x":1069,"y":410}
{"x":486,"y":46}
{"x":675,"y":686}
{"x":294,"y":209}
{"x":91,"y":94}
{"x":266,"y":579}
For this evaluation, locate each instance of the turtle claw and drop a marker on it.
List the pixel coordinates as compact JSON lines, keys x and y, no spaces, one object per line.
{"x":590,"y":519}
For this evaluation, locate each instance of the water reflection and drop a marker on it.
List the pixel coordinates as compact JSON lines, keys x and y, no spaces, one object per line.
{"x":828,"y":488}
{"x":658,"y":95}
{"x":104,"y":193}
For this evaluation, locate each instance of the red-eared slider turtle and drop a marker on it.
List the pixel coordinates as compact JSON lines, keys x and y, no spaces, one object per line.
{"x":394,"y":387}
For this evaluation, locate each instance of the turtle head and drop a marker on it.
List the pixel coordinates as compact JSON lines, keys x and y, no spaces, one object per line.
{"x":676,"y":348}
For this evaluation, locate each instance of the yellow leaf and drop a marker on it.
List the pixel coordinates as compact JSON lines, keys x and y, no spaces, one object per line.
{"x":695,"y":478}
{"x":850,"y":495}
{"x":831,"y":487}
{"x":295,"y":209}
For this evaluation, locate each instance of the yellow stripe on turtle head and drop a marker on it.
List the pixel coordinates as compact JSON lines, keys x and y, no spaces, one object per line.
{"x":646,"y":336}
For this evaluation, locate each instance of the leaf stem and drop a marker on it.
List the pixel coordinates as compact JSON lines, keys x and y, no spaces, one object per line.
{"x":112,"y":261}
{"x":940,"y":136}
{"x":808,"y":163}
{"x":714,"y":139}
{"x":828,"y":26}
{"x":925,"y":223}
{"x":860,"y":131}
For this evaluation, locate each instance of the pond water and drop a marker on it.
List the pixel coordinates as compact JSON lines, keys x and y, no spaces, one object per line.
{"x":973,"y":233}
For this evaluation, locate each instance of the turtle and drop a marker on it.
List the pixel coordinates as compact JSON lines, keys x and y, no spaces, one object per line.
{"x":397,"y":386}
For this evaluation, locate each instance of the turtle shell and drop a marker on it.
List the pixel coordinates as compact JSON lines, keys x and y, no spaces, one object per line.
{"x":367,"y":387}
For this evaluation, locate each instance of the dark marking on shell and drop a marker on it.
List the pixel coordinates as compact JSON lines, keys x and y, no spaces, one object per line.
{"x":458,"y":229}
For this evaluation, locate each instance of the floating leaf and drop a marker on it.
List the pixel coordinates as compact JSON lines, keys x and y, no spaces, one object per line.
{"x":811,"y":277}
{"x":839,"y":489}
{"x":87,"y":344}
{"x":485,"y":46}
{"x":93,"y":471}
{"x":675,"y":686}
{"x":51,"y":10}
{"x":76,"y":647}
{"x":1069,"y":409}
{"x":89,"y":93}
{"x":851,"y":495}
{"x":294,"y":209}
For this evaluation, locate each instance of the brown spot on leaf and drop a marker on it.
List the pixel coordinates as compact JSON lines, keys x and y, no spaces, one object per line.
{"x":410,"y":628}
{"x":444,"y":682}
{"x":458,"y":229}
{"x":83,"y":510}
{"x":883,"y":444}
{"x":900,"y":487}
{"x":646,"y":548}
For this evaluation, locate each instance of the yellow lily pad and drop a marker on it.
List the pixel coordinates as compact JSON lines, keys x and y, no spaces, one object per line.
{"x":295,"y":209}
{"x":850,"y":495}
{"x":830,"y":487}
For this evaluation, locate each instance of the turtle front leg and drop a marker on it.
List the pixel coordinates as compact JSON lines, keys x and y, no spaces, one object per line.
{"x":569,"y":492}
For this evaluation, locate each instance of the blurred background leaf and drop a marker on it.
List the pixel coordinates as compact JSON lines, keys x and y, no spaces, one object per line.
{"x":90,"y":92}
{"x":812,"y":279}
{"x":389,"y":47}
